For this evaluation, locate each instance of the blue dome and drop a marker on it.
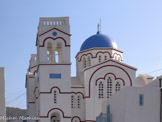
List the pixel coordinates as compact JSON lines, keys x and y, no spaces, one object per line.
{"x":99,"y":41}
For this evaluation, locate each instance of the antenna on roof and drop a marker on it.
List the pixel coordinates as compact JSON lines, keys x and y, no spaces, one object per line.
{"x":98,"y":28}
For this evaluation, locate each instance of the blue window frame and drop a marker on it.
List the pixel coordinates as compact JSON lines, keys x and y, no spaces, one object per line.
{"x":141,"y":99}
{"x":55,"y":76}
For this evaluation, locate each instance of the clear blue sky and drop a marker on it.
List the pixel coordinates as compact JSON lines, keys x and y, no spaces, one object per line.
{"x":136,"y":26}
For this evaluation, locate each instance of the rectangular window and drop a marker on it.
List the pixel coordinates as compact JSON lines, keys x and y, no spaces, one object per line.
{"x":55,"y":76}
{"x":141,"y":99}
{"x":55,"y":97}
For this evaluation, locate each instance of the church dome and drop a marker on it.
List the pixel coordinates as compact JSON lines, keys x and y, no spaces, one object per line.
{"x":98,"y":40}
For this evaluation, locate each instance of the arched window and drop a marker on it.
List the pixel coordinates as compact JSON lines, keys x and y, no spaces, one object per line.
{"x":117,"y":87}
{"x":99,"y":58}
{"x":109,"y":87}
{"x":49,"y":52}
{"x":56,"y":57}
{"x":84,"y":63}
{"x":48,"y":55}
{"x":118,"y":58}
{"x":115,"y":57}
{"x":72,"y":101}
{"x":55,"y":97}
{"x":89,"y":61}
{"x":59,"y":49}
{"x":100,"y":90}
{"x":78,"y":99}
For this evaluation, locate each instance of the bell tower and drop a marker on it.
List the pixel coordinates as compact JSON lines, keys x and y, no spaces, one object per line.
{"x":54,"y":69}
{"x":53,"y":40}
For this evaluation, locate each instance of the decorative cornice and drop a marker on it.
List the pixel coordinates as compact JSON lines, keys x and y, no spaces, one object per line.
{"x":97,"y":49}
{"x":55,"y":29}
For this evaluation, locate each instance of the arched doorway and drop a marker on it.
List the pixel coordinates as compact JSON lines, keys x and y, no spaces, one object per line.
{"x":55,"y":117}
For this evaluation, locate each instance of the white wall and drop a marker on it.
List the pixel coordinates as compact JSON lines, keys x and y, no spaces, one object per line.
{"x":63,"y":96}
{"x":125,"y":107}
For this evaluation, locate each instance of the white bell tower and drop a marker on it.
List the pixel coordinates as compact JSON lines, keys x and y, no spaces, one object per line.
{"x":53,"y":40}
{"x":54,"y":69}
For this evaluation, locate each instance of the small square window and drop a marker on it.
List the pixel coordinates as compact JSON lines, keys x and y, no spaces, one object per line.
{"x":55,"y":76}
{"x":141,"y":99}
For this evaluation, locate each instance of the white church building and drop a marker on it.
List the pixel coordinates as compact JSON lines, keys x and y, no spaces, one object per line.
{"x":104,"y":90}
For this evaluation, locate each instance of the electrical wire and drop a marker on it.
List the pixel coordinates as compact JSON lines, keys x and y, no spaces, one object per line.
{"x":20,"y":102}
{"x":15,"y":92}
{"x":154,"y":71}
{"x":16,"y":98}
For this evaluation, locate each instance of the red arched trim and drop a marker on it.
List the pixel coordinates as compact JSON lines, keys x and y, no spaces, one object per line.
{"x":98,"y":49}
{"x":55,"y":29}
{"x":54,"y":39}
{"x":78,"y":93}
{"x":95,"y":55}
{"x":114,"y":77}
{"x":117,"y":55}
{"x":103,"y":53}
{"x":101,"y":68}
{"x":85,"y":55}
{"x":112,"y":61}
{"x":76,"y":117}
{"x":61,"y":92}
{"x":53,"y":110}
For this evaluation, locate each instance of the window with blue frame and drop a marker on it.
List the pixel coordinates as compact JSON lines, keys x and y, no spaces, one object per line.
{"x":105,"y":117}
{"x":55,"y":76}
{"x":141,"y":100}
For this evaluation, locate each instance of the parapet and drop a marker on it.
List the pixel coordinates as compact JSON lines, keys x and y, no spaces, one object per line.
{"x":47,"y":23}
{"x":54,"y":21}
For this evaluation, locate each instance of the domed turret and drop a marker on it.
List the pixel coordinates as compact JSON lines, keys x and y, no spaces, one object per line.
{"x":98,"y":40}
